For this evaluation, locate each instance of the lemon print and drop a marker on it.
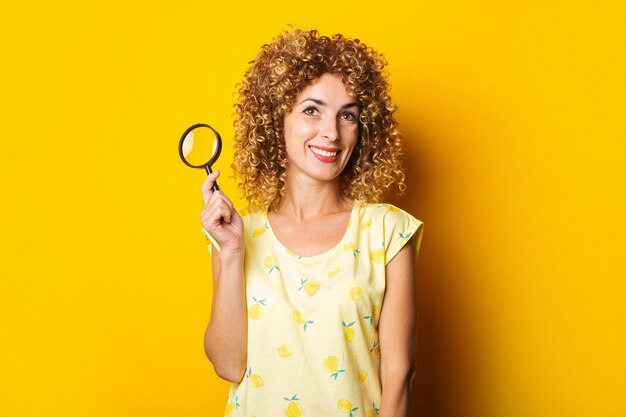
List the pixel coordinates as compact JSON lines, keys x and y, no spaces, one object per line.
{"x":405,"y":235}
{"x":331,"y":364}
{"x":374,"y":312}
{"x":348,"y":332}
{"x":255,"y":380}
{"x":270,"y":262}
{"x":373,"y":411}
{"x":284,"y":351}
{"x":297,"y":316}
{"x":244,"y":211}
{"x":259,"y":232}
{"x":351,"y":247}
{"x":362,"y":376}
{"x":310,"y":287}
{"x":255,"y":312}
{"x":391,"y":208}
{"x":376,"y":349}
{"x":378,"y":256}
{"x":356,"y":293}
{"x":332,"y":273}
{"x":346,"y":407}
{"x":294,"y":409}
{"x":231,"y":407}
{"x":366,"y":224}
{"x":349,"y":223}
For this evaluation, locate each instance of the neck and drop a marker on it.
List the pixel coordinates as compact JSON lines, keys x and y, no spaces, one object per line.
{"x":306,"y":198}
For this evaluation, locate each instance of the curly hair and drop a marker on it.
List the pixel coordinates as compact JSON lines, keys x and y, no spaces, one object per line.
{"x":275,"y":77}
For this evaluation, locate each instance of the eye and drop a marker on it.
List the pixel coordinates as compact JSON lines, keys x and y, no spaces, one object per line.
{"x":350,"y":117}
{"x":310,"y":111}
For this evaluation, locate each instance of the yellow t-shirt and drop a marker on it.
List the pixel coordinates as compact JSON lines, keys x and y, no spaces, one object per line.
{"x":313,"y":320}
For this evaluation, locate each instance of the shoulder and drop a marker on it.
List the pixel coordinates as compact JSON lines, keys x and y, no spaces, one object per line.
{"x":388,"y":215}
{"x":254,"y":222}
{"x":251,"y":214}
{"x":391,"y":227}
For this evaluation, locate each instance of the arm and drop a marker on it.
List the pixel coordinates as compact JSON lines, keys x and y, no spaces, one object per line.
{"x":397,"y":327}
{"x":226,"y":336}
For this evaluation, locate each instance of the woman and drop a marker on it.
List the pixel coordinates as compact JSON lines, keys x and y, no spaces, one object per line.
{"x":299,"y":324}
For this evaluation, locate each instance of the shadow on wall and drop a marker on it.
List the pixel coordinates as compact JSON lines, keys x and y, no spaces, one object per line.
{"x":447,"y":353}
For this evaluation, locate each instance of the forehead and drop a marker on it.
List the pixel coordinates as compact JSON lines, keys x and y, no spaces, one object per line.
{"x":327,"y":85}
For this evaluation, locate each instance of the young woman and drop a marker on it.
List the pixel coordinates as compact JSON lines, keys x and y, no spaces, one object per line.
{"x":313,"y":283}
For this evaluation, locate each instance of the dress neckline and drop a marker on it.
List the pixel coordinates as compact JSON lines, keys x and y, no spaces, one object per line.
{"x":313,"y":258}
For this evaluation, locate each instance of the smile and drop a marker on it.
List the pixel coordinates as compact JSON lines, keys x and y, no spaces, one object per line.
{"x":323,"y":152}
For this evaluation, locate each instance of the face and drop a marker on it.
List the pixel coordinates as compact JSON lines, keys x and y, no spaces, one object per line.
{"x":321,"y":130}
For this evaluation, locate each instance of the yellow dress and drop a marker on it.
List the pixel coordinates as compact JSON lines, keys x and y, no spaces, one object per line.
{"x":313,"y":320}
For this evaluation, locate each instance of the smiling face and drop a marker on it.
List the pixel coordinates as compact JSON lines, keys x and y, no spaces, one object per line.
{"x":321,"y":130}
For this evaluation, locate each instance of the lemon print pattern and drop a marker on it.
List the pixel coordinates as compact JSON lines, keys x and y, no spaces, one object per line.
{"x":331,"y":364}
{"x":284,"y":351}
{"x":373,"y":412}
{"x":363,"y":376}
{"x":345,"y":406}
{"x":313,"y":321}
{"x":260,"y":231}
{"x":376,"y":349}
{"x":256,"y":381}
{"x":270,"y":262}
{"x":332,"y":273}
{"x":294,"y":409}
{"x":356,"y":293}
{"x":351,"y":247}
{"x":297,"y":316}
{"x":232,"y":407}
{"x":348,"y":331}
{"x":372,"y":315}
{"x":310,"y":287}
{"x":378,"y":256}
{"x":255,"y":312}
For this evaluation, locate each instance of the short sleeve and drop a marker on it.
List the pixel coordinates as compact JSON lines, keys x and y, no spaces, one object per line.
{"x":400,"y":228}
{"x":210,"y":241}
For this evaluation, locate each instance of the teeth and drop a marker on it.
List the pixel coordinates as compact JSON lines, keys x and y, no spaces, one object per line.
{"x":323,"y":153}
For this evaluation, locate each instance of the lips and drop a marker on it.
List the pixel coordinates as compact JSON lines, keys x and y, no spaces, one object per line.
{"x":325,"y":154}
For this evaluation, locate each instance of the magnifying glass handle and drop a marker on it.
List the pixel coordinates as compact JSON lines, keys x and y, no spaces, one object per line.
{"x":208,"y":171}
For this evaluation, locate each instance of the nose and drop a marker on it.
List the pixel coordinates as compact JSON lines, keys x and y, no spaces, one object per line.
{"x":329,"y":129}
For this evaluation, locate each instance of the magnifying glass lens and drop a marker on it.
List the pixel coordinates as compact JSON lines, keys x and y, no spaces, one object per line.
{"x":200,"y":145}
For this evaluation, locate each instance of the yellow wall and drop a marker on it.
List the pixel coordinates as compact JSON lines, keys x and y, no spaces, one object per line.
{"x":513,"y":114}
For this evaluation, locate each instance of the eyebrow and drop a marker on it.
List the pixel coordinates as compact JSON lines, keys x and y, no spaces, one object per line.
{"x":322,"y":103}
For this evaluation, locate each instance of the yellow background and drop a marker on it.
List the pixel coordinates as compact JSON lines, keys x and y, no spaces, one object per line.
{"x":513,"y":114}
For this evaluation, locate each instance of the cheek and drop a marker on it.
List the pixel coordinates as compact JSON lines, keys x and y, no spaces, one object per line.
{"x":351,"y":134}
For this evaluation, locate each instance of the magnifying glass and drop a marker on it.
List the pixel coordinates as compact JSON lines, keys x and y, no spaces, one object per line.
{"x":199,"y":147}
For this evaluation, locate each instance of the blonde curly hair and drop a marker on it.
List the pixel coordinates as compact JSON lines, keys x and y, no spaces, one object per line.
{"x":275,"y":77}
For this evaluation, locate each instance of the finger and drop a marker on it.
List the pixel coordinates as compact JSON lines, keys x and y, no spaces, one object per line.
{"x":217,"y":218}
{"x":219,"y":196}
{"x":207,"y":186}
{"x":216,"y":212}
